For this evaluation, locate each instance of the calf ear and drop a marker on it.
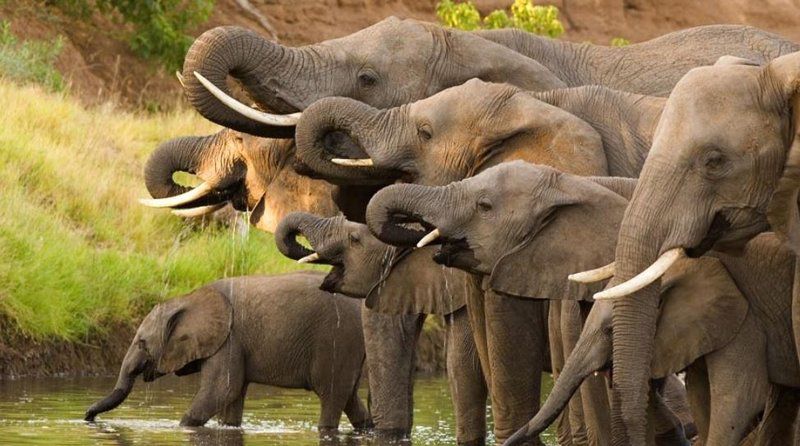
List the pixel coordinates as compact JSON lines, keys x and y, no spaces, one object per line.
{"x":195,"y":329}
{"x":579,"y":237}
{"x":416,"y":284}
{"x":621,"y":186}
{"x":702,"y":310}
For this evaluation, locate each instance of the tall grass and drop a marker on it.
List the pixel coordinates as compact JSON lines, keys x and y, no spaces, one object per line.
{"x":77,"y":252}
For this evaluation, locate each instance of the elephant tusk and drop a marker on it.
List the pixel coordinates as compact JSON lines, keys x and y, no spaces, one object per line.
{"x":646,"y":277}
{"x":593,"y":275}
{"x":364,"y":162}
{"x":431,"y":236}
{"x":180,"y":78}
{"x":309,"y":258}
{"x":198,"y":211}
{"x":187,"y":197}
{"x":256,"y":115}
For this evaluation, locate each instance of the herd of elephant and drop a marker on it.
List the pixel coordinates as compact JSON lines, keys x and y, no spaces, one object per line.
{"x":491,"y":177}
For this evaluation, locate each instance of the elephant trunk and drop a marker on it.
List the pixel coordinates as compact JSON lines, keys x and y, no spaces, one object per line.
{"x":263,"y":67}
{"x":332,"y":138}
{"x":590,"y":354}
{"x":393,"y":207}
{"x":133,"y":364}
{"x":288,"y":229}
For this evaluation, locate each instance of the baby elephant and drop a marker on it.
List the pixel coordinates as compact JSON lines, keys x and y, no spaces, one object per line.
{"x":278,"y":330}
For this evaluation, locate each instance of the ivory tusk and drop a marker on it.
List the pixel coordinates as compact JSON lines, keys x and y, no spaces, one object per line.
{"x":198,"y":211}
{"x":646,"y":277}
{"x":353,"y":162}
{"x":431,"y":236}
{"x":256,"y":115}
{"x":170,"y":202}
{"x":309,"y":258}
{"x":180,"y":78}
{"x":593,"y":275}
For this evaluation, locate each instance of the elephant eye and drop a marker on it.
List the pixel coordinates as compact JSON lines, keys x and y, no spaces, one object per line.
{"x":354,"y":238}
{"x":424,"y":132}
{"x":484,"y":205}
{"x":367,"y":78}
{"x":715,"y":162}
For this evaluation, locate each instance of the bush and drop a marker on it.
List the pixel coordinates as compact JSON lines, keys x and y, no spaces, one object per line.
{"x":159,"y":26}
{"x":542,"y":20}
{"x":30,"y":60}
{"x":620,"y":41}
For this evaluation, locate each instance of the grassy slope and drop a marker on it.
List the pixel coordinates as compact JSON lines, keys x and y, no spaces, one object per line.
{"x":77,"y":252}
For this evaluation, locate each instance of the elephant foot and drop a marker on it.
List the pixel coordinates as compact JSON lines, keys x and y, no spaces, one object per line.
{"x":391,"y":436}
{"x":188,"y":421}
{"x":326,"y":432}
{"x":476,"y":442}
{"x":363,"y":426}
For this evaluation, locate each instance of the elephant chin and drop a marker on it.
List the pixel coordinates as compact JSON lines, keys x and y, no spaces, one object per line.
{"x":333,"y":280}
{"x":456,"y":254}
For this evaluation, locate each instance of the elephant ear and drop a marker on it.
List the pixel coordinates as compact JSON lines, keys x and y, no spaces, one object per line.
{"x":417,"y":285}
{"x":621,"y":186}
{"x":702,"y":310}
{"x":196,"y":328}
{"x":782,"y":212}
{"x":734,"y":60}
{"x":579,"y":237}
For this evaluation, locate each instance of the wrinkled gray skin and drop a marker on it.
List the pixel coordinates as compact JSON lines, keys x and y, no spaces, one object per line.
{"x":313,"y":341}
{"x":717,"y":314}
{"x":723,"y":167}
{"x":391,"y":280}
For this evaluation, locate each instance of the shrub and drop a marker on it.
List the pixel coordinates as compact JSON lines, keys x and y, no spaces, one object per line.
{"x":620,"y":41}
{"x":30,"y":60}
{"x":542,"y":20}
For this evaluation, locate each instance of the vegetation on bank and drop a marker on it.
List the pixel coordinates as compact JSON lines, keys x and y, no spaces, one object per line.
{"x":78,"y":254}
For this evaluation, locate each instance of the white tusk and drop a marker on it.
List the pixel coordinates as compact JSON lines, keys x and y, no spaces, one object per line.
{"x":431,"y":236}
{"x":198,"y":211}
{"x":593,"y":275}
{"x":646,"y":277}
{"x":309,"y":258}
{"x":256,"y":115}
{"x":170,"y":202}
{"x":180,"y":78}
{"x":351,"y":162}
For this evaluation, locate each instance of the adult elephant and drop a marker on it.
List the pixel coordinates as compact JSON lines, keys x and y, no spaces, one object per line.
{"x":255,"y":174}
{"x":398,"y":61}
{"x":395,"y":281}
{"x":723,"y":167}
{"x":715,"y":316}
{"x":462,"y":131}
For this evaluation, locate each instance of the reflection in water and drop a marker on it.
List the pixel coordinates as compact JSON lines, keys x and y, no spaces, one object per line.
{"x":50,"y":411}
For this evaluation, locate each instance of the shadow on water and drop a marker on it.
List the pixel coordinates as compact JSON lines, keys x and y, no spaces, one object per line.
{"x":50,"y":411}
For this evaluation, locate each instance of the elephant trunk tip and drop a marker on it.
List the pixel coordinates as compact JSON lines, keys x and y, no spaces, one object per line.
{"x":108,"y":403}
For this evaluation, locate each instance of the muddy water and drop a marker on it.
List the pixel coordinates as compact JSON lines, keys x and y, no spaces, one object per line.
{"x":49,"y":412}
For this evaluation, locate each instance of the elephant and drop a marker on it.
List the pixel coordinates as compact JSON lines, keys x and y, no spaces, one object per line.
{"x":398,"y":61}
{"x":722,"y":169}
{"x":255,"y":174}
{"x":365,"y":268}
{"x":735,"y":342}
{"x":278,"y":330}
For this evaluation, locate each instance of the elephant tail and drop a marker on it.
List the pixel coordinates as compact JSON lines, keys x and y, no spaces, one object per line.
{"x":132,"y":366}
{"x":590,"y":354}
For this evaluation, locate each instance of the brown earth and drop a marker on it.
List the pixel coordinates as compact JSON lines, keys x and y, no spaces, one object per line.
{"x":101,"y":67}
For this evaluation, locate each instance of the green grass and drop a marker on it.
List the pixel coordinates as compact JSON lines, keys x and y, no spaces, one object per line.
{"x":30,"y":60}
{"x":78,"y":254}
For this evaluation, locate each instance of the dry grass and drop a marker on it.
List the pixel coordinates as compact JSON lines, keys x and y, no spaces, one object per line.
{"x":78,"y":253}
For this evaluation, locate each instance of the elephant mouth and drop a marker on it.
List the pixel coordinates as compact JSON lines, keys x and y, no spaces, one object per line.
{"x":725,"y":236}
{"x":456,"y":253}
{"x":333,"y":280}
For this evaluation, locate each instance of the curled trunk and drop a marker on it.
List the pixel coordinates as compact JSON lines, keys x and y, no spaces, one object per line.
{"x":251,"y":59}
{"x":340,"y":128}
{"x":394,"y":207}
{"x":132,"y":366}
{"x":288,"y":229}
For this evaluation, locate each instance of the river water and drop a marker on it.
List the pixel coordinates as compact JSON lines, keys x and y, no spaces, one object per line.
{"x":49,"y":412}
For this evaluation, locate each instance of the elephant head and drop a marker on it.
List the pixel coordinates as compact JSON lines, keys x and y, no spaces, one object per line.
{"x":174,"y":338}
{"x":392,"y":280}
{"x":446,"y":137}
{"x":387,"y":64}
{"x":251,"y":173}
{"x":509,"y":219}
{"x":723,"y":167}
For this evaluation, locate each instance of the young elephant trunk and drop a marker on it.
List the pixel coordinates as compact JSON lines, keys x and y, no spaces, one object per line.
{"x":132,"y":366}
{"x":176,"y":155}
{"x":288,"y":229}
{"x":396,"y":205}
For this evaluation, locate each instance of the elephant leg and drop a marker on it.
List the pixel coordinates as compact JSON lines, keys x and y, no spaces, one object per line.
{"x":563,"y":429}
{"x":780,"y":417}
{"x":674,"y":395}
{"x":698,"y":392}
{"x":477,"y":321}
{"x":221,"y":383}
{"x":735,"y":371}
{"x":390,"y":343}
{"x":231,"y":415}
{"x":516,"y":337}
{"x":357,"y":413}
{"x":665,"y":425}
{"x":467,"y":384}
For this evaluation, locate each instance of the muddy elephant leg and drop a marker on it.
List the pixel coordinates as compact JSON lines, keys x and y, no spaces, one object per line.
{"x":390,"y":343}
{"x":231,"y":415}
{"x":467,"y":384}
{"x":221,"y":383}
{"x":516,"y":331}
{"x":563,"y":429}
{"x":780,"y":417}
{"x":357,"y":413}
